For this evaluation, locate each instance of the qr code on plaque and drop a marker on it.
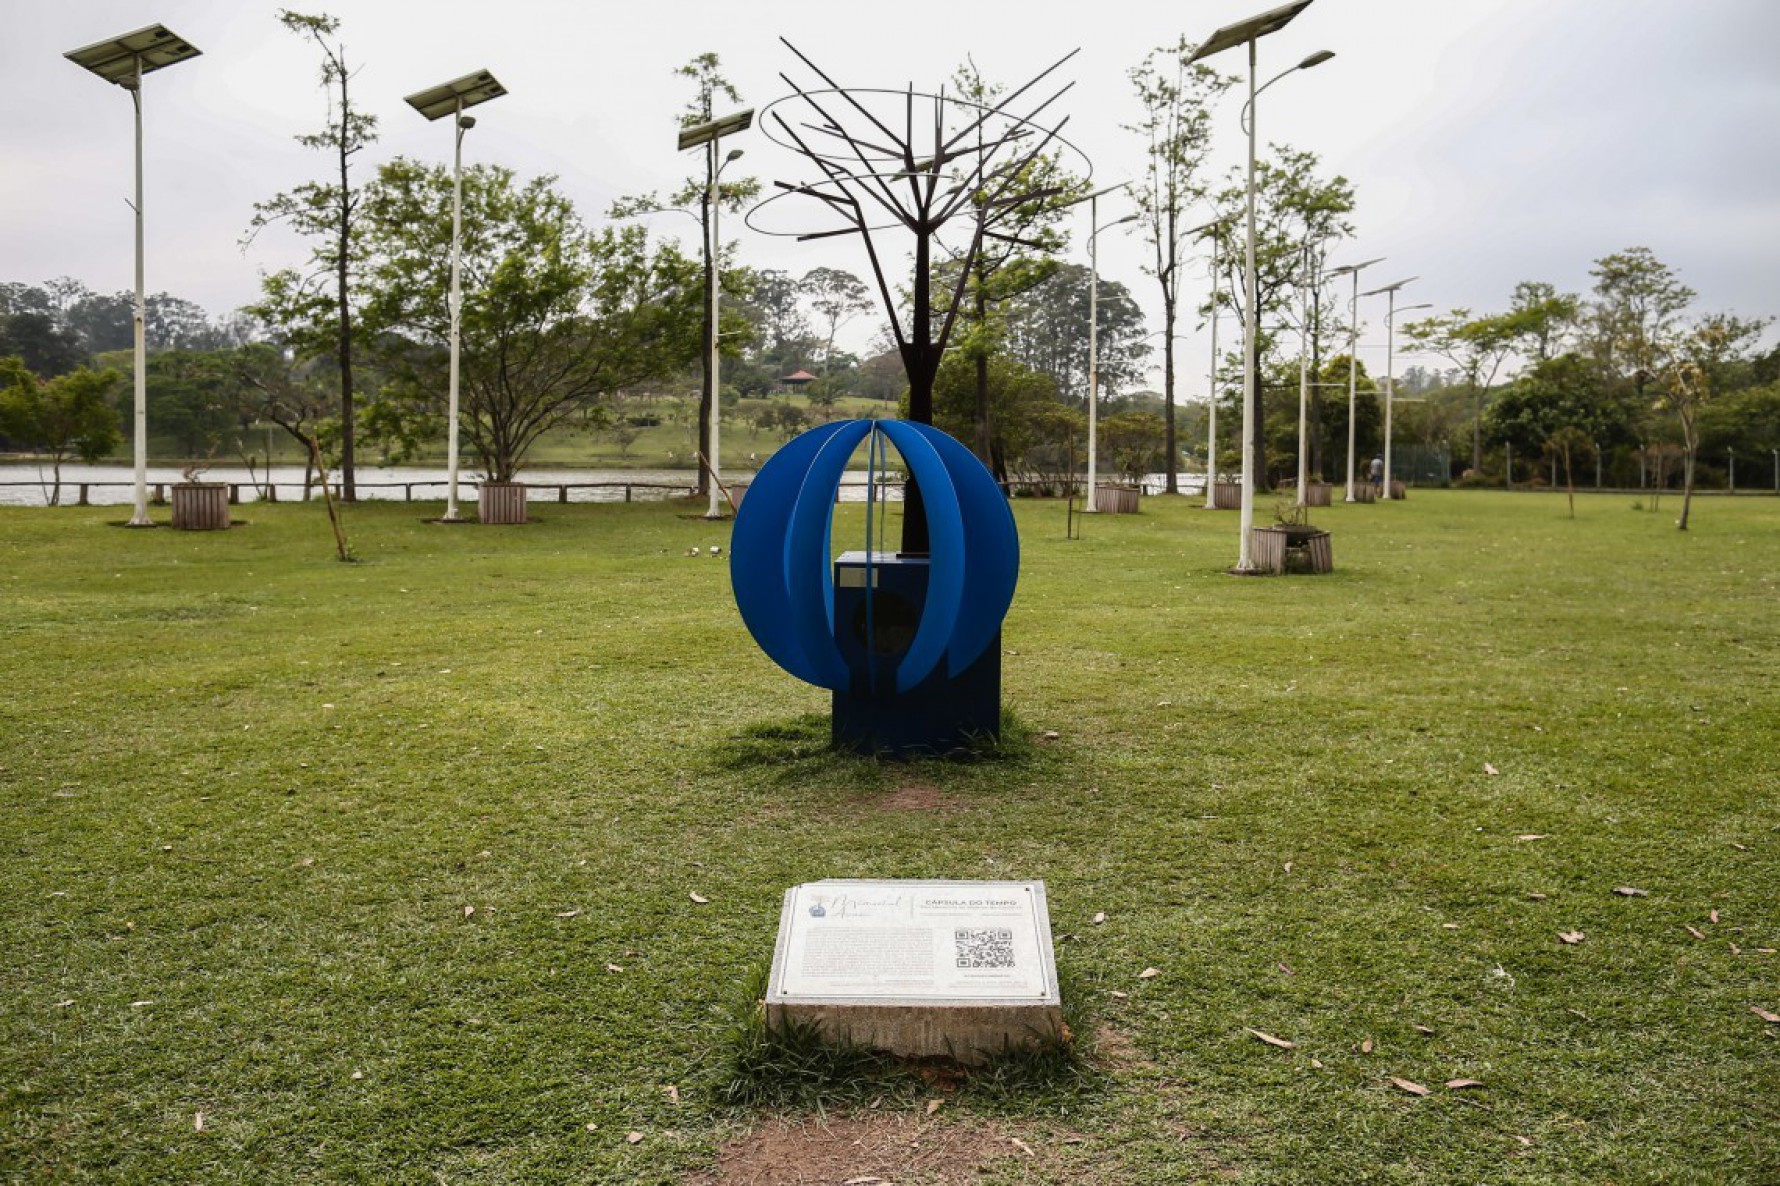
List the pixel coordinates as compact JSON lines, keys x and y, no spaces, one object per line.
{"x":987,"y":947}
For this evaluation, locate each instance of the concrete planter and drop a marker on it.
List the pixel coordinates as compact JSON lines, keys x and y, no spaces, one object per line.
{"x":500,"y":502}
{"x":201,"y":506}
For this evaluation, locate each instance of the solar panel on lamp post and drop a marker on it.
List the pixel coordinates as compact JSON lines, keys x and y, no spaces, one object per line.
{"x":1390,"y":384}
{"x":708,"y":134}
{"x":1353,"y":366}
{"x":452,"y":98}
{"x":1249,"y":32}
{"x":124,"y":60}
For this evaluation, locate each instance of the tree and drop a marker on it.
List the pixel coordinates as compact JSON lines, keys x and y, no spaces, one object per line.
{"x":286,"y":394}
{"x":1047,"y":329}
{"x":838,"y":296}
{"x":1134,"y":442}
{"x":1295,"y":211}
{"x":1637,"y":307}
{"x":192,"y":397}
{"x":34,"y":337}
{"x":1562,"y":398}
{"x":1176,"y":122}
{"x":315,"y":321}
{"x":732,"y":195}
{"x":1539,"y":317}
{"x":1693,"y":370}
{"x":555,"y":318}
{"x":1477,"y":346}
{"x":69,"y":415}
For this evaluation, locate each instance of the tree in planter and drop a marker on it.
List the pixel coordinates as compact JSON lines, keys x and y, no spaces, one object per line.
{"x":68,"y":416}
{"x":315,"y":311}
{"x":705,"y":71}
{"x":1176,"y":100}
{"x":1134,"y":442}
{"x":556,"y":318}
{"x":1295,"y":210}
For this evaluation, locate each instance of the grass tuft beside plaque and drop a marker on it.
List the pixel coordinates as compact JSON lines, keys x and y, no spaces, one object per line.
{"x":919,"y":969}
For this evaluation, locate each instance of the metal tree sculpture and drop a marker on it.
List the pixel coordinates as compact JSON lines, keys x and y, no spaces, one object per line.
{"x":972,"y":175}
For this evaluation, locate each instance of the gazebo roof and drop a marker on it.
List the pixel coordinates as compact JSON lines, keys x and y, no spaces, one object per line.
{"x":799,"y":377}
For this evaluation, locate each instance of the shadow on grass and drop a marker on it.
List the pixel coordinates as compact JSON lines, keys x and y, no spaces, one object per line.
{"x":795,"y":1067}
{"x":798,"y":745}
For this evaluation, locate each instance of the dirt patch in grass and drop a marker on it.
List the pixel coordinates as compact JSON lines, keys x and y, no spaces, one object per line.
{"x":869,"y":1149}
{"x":917,"y":796}
{"x":1114,"y":1051}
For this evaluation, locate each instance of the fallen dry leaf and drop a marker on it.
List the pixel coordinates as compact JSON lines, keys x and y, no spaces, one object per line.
{"x":1149,"y":973}
{"x":1490,"y":770}
{"x":868,"y":1180}
{"x":139,"y":1004}
{"x":1739,"y":847}
{"x":1461,"y":1084}
{"x":1626,"y":891}
{"x":592,"y":1127}
{"x":1366,"y":1046}
{"x":1526,"y":1142}
{"x":933,"y":1106}
{"x":1765,"y":950}
{"x":1422,"y":1029}
{"x":1572,"y":937}
{"x":198,"y":1122}
{"x":1022,"y":1146}
{"x":1695,"y":932}
{"x":1316,"y":1064}
{"x":1120,"y":996}
{"x":1770,"y":1018}
{"x":1049,"y":735}
{"x":1287,"y":970}
{"x":1449,"y":926}
{"x":673,"y":1094}
{"x":1099,"y":917}
{"x":1411,"y":1087}
{"x":1288,"y":866}
{"x":1271,"y":1040}
{"x":613,"y":968}
{"x":1526,"y":836}
{"x":633,"y":1137}
{"x":1712,"y":917}
{"x":305,"y":862}
{"x":699,"y":898}
{"x":1535,"y":897}
{"x":568,"y":914}
{"x":1735,"y":950}
{"x":469,"y":910}
{"x":64,"y":1004}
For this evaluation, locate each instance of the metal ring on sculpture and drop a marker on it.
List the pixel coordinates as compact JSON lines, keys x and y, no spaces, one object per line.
{"x":779,"y":553}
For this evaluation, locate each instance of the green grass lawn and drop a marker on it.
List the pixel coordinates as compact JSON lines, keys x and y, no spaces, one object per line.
{"x":249,"y":795}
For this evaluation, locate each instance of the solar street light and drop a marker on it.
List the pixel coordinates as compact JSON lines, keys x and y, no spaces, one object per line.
{"x":1390,"y":382}
{"x":452,"y":98}
{"x":124,"y":60}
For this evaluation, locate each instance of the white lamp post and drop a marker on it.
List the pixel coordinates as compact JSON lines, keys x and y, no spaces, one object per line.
{"x":1249,"y":32}
{"x":1353,"y":366}
{"x":451,"y":99}
{"x":1390,"y":381}
{"x":1211,"y":389}
{"x":124,"y":60}
{"x":1094,"y":337}
{"x":1304,"y":381}
{"x":708,"y":134}
{"x":1391,"y":378}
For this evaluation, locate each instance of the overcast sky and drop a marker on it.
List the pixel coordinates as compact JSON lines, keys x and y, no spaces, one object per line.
{"x":1489,"y":141}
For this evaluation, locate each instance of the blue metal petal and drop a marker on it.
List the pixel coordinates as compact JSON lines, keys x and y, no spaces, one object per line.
{"x":808,"y":576}
{"x":758,"y":547}
{"x":945,"y":534}
{"x":991,"y":548}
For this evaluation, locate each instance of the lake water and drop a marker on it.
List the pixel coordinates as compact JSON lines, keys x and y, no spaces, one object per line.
{"x":27,"y":484}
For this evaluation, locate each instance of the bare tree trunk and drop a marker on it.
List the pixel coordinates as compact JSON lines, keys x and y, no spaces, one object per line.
{"x":327,"y":496}
{"x":1689,"y":445}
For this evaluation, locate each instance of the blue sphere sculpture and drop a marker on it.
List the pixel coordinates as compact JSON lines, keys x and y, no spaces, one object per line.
{"x":779,"y":554}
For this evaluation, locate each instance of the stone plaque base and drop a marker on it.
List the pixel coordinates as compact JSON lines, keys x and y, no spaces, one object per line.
{"x":921,"y":969}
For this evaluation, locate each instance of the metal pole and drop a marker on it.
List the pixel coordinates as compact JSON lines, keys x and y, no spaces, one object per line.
{"x":715,"y":508}
{"x":1211,"y":400}
{"x":1250,"y":330}
{"x":140,"y":517}
{"x":1353,"y":377}
{"x":1304,"y":388}
{"x":1093,"y":347}
{"x":1390,"y":388}
{"x":1731,"y":483}
{"x":1777,"y":471}
{"x":454,"y":309}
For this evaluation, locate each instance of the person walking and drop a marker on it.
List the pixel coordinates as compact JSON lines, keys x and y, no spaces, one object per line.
{"x":1377,"y":471}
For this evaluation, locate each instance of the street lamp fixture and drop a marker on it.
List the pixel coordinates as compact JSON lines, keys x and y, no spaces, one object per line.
{"x":451,"y":99}
{"x":1390,"y":380}
{"x":1249,"y":32}
{"x":1353,"y":352}
{"x":709,"y":134}
{"x":1094,"y":334}
{"x":124,"y":60}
